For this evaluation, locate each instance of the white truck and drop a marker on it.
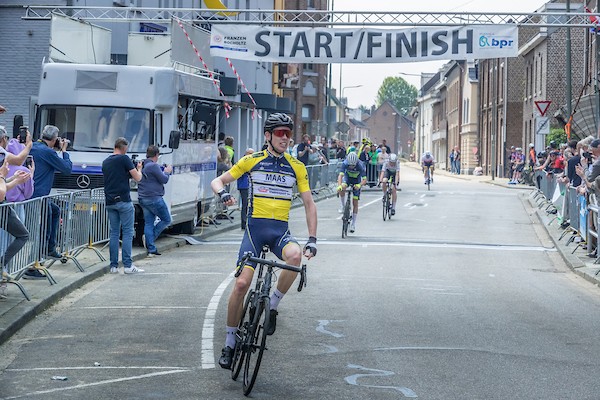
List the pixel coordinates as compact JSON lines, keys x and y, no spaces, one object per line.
{"x":177,"y":110}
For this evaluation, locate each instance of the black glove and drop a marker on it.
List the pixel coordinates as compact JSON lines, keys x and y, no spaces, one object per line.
{"x":311,"y":246}
{"x":225,"y":197}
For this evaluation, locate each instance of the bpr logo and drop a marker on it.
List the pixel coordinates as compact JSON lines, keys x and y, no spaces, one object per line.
{"x":485,"y":41}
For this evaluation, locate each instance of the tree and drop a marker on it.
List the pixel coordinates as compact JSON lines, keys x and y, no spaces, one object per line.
{"x":557,"y":135}
{"x":397,"y":91}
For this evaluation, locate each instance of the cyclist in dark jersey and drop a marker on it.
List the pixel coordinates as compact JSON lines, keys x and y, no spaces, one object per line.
{"x":273,"y":173}
{"x":353,"y":173}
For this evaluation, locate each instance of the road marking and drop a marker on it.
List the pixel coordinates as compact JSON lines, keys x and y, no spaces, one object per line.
{"x":442,"y":245}
{"x":330,"y":349}
{"x":353,"y":380}
{"x":105,"y":382}
{"x":364,"y":205}
{"x":138,"y":308}
{"x":325,"y":322}
{"x":84,"y":368}
{"x":208,"y":327}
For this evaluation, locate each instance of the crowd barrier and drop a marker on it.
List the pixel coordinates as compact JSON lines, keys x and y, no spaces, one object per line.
{"x":82,"y":223}
{"x":577,"y":214}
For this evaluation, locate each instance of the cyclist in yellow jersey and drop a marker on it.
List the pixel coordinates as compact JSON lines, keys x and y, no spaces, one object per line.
{"x":273,"y":174}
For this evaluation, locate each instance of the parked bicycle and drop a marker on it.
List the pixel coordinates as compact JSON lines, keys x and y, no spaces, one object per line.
{"x":527,"y":177}
{"x":387,"y":199}
{"x":251,"y":337}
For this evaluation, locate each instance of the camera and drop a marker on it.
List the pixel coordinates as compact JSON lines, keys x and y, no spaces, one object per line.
{"x":23,"y":134}
{"x":588,"y":156}
{"x":59,"y":142}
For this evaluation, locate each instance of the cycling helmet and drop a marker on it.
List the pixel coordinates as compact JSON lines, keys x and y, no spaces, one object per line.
{"x":427,"y":153}
{"x":352,"y":159}
{"x":278,"y":120}
{"x":393,"y":157}
{"x":519,"y":149}
{"x":542,"y":154}
{"x":352,"y":149}
{"x":531,"y":145}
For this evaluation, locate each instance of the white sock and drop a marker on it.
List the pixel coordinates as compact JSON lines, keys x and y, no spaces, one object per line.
{"x":276,"y":298}
{"x":342,"y":201}
{"x":230,"y":337}
{"x":354,"y":218}
{"x":394,"y":205}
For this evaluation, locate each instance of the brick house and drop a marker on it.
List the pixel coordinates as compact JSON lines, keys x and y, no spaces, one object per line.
{"x":398,"y":130}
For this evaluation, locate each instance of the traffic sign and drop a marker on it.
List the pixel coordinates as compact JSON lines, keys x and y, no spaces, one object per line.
{"x":542,"y":126}
{"x":542,"y":106}
{"x":343,"y":127}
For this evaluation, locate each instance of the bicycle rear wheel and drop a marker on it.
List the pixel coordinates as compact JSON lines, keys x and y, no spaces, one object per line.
{"x":386,"y":205}
{"x":256,"y":344}
{"x":242,"y":335}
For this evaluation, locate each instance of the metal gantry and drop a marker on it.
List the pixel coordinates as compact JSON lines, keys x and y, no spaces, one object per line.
{"x":315,"y":17}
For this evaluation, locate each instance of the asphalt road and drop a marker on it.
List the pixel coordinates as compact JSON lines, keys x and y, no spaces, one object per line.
{"x":460,"y":296}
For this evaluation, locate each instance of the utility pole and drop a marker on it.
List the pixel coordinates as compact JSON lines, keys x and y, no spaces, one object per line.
{"x":568,"y":60}
{"x":494,"y":132}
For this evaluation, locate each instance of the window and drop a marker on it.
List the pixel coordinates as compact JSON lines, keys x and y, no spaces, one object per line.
{"x":308,"y":67}
{"x":308,"y":111}
{"x":309,"y":89}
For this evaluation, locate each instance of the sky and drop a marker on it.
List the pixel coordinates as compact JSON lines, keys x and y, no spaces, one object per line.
{"x":370,"y":76}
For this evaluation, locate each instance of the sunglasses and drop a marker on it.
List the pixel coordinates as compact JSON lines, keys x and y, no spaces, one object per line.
{"x":282,"y":133}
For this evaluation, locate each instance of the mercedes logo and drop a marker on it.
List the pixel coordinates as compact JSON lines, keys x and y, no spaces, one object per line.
{"x":83,"y":181}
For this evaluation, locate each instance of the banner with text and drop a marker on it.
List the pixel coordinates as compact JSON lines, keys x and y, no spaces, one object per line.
{"x":363,"y":45}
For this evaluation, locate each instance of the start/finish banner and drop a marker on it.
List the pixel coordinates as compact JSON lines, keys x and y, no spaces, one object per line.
{"x":363,"y":45}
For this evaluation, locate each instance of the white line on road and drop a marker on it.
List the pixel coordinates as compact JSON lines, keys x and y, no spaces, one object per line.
{"x":130,"y":378}
{"x":354,"y":243}
{"x":365,"y":205}
{"x":84,"y":368}
{"x":139,"y":308}
{"x":208,"y":328}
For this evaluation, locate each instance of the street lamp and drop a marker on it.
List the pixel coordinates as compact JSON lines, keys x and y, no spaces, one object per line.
{"x":349,"y":87}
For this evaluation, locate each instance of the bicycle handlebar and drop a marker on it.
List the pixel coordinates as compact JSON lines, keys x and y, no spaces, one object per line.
{"x":275,"y":264}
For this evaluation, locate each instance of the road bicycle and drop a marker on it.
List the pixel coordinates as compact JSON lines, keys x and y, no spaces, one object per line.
{"x":346,"y":215}
{"x":251,"y":336}
{"x":428,"y":178}
{"x":387,"y":200}
{"x":527,"y":176}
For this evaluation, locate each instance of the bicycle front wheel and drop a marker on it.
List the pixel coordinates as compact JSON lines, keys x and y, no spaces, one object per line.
{"x":242,"y":336}
{"x":386,"y":205}
{"x":256,"y":344}
{"x":346,"y":219}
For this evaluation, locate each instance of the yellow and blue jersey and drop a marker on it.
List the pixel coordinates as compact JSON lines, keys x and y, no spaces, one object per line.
{"x":272,"y":181}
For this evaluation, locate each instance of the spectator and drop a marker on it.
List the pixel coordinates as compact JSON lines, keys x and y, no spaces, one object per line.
{"x":456,"y":157}
{"x":47,"y":163}
{"x":19,"y":192}
{"x":532,"y":155}
{"x":519,"y":164}
{"x":229,"y":147}
{"x":372,"y":166}
{"x":304,"y":149}
{"x":382,"y":158}
{"x":452,"y":165}
{"x":8,"y":218}
{"x":151,"y":190}
{"x":118,"y":168}
{"x":223,"y":162}
{"x":243,"y":184}
{"x":340,"y":152}
{"x":290,"y":149}
{"x":387,"y":148}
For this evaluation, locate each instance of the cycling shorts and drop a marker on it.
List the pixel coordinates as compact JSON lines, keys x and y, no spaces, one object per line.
{"x":390,"y":174}
{"x":260,"y":232}
{"x":355,"y":192}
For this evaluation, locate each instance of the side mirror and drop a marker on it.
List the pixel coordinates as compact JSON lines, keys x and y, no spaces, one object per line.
{"x":174,"y":139}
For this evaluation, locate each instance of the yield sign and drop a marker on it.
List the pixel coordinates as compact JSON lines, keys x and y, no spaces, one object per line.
{"x":542,"y":106}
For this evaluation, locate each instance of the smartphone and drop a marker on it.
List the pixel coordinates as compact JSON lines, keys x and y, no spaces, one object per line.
{"x":28,"y":161}
{"x":2,"y":157}
{"x":23,"y":134}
